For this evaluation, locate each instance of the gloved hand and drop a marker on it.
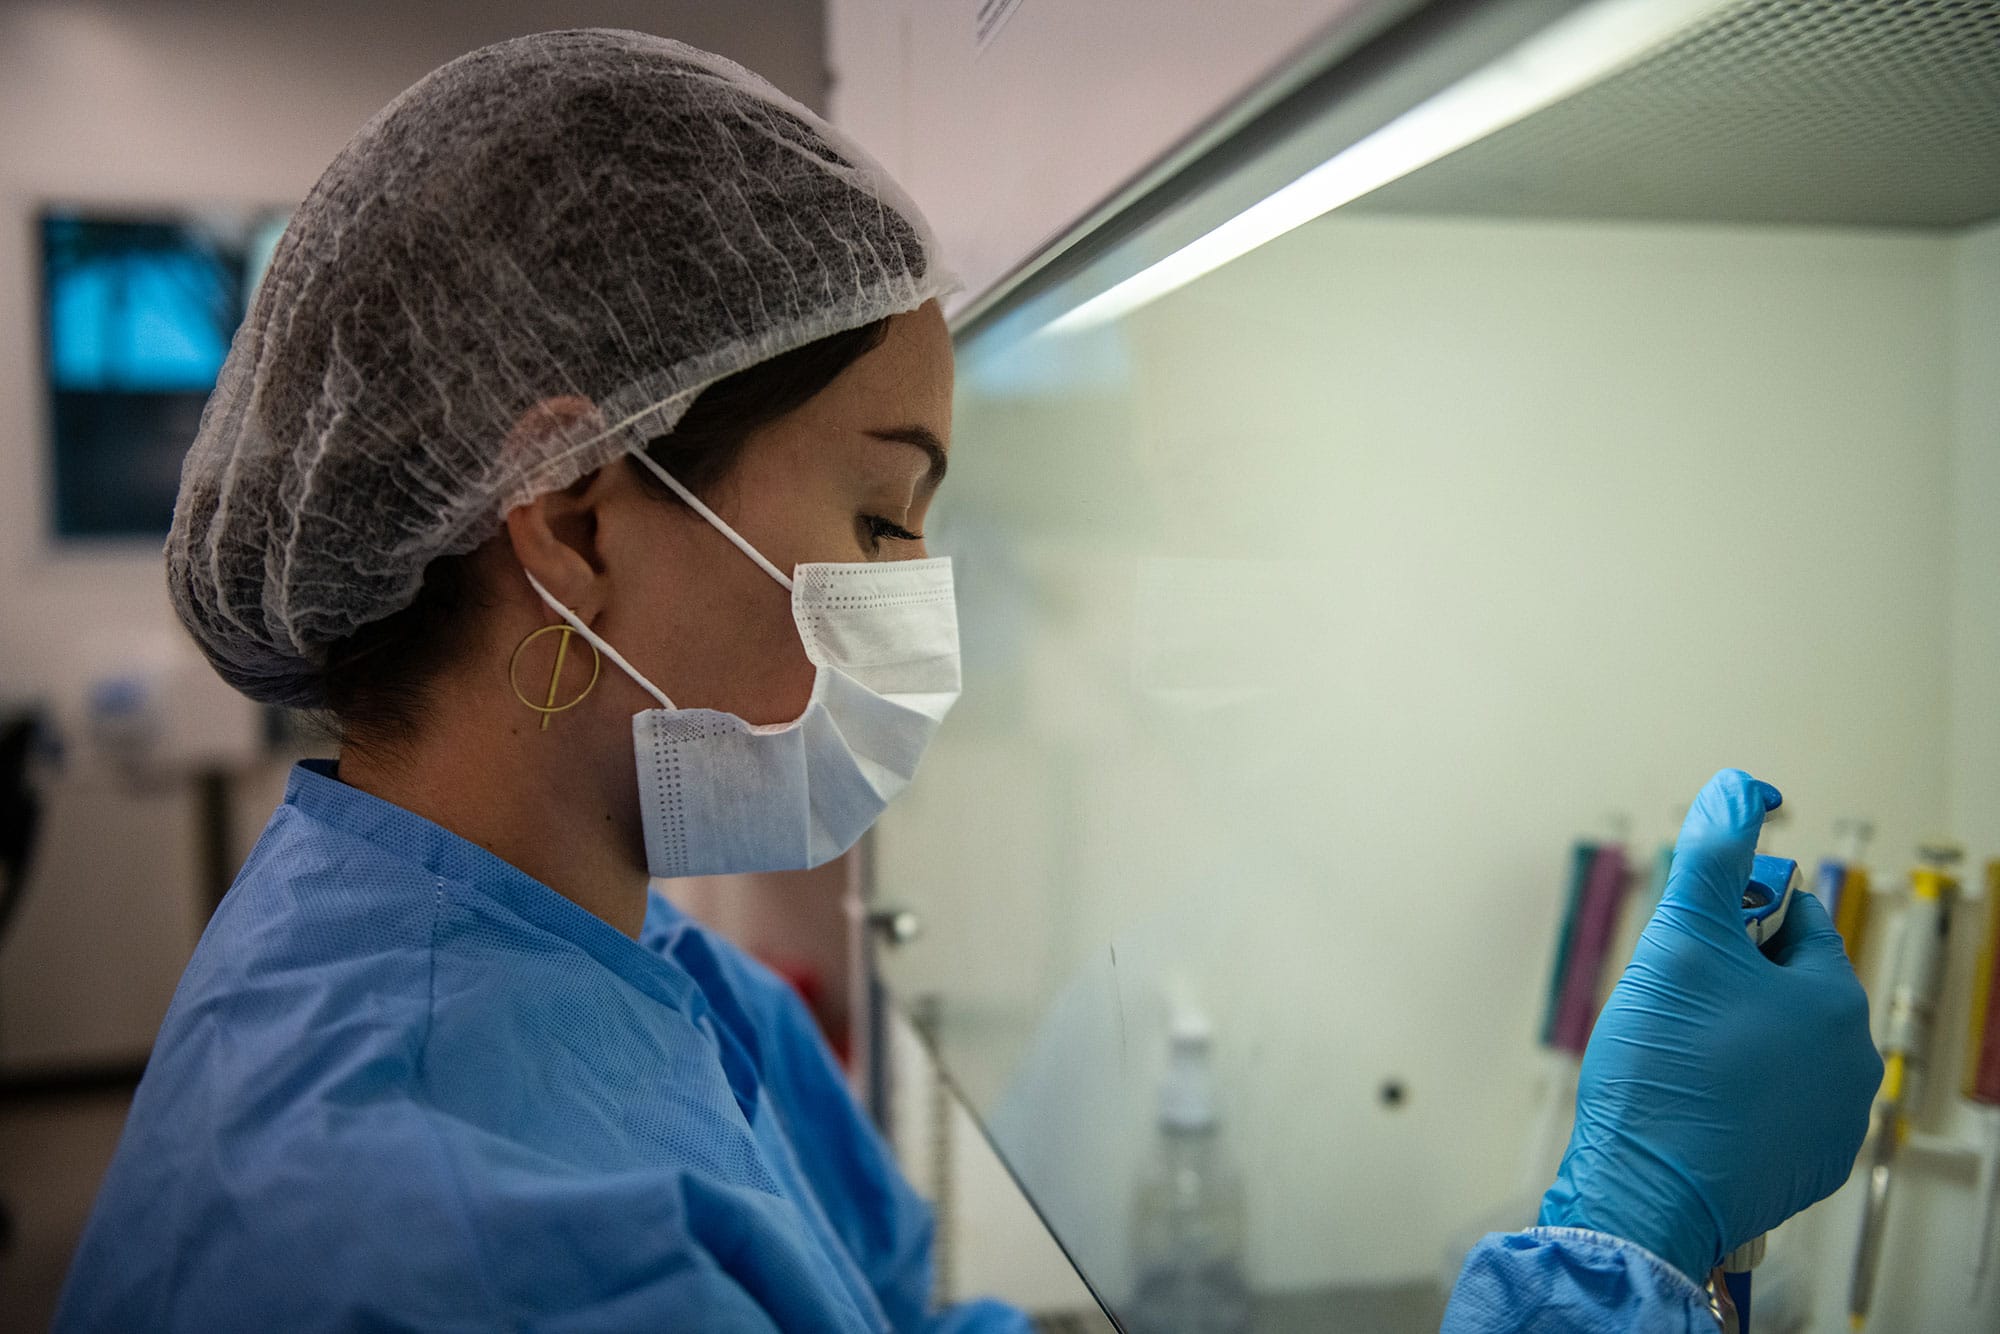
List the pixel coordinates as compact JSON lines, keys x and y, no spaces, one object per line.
{"x":1722,"y":1090}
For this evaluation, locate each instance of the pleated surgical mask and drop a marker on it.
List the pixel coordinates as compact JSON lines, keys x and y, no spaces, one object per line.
{"x":720,"y":796}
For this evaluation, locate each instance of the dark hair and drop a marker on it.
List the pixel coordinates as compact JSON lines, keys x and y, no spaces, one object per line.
{"x":378,"y":680}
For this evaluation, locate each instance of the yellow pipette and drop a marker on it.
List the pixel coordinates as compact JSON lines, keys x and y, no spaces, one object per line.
{"x":1851,"y":915}
{"x":1913,"y":1001}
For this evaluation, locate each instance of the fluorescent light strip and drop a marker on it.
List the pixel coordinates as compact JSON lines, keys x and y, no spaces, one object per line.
{"x":1553,"y":64}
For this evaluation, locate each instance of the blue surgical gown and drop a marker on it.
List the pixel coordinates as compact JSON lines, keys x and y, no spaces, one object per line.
{"x":1559,"y":1280}
{"x":404,"y":1086}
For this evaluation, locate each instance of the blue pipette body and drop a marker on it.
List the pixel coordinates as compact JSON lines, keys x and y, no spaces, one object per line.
{"x":1766,"y":900}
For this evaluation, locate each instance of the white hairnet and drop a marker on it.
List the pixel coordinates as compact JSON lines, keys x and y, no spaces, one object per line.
{"x":598,"y":214}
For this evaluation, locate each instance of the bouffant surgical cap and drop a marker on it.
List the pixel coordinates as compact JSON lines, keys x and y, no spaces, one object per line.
{"x":598,"y":215}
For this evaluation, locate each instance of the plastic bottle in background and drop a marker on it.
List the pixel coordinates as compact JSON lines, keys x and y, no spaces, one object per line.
{"x":1188,"y":1213}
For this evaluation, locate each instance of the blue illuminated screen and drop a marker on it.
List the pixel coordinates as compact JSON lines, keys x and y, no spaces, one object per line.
{"x":137,"y":314}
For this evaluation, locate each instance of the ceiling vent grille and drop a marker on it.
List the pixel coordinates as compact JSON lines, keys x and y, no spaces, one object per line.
{"x":1856,"y":112}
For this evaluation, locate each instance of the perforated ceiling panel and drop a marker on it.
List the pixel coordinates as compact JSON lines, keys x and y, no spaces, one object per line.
{"x":1871,"y":112}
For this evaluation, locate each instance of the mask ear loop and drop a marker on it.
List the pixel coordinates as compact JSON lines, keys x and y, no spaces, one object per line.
{"x":695,"y":503}
{"x":592,"y":638}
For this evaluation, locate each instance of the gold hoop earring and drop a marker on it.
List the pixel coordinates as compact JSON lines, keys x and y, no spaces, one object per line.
{"x":551,"y":708}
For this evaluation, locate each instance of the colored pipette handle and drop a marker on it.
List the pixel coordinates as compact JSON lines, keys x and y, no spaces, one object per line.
{"x":1982,"y":1075}
{"x":1982,"y":1058}
{"x":1582,"y":856}
{"x":1847,"y":877}
{"x":1852,"y":919}
{"x":1590,"y":946}
{"x":1767,"y":898}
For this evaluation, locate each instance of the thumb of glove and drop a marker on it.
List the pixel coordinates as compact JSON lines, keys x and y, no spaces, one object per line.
{"x":1712,"y":859}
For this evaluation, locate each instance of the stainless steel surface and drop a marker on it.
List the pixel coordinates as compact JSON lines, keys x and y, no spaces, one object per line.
{"x":1866,"y":112}
{"x":1404,"y":1308}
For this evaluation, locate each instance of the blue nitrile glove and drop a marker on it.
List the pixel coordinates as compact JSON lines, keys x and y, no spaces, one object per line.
{"x":1722,"y":1090}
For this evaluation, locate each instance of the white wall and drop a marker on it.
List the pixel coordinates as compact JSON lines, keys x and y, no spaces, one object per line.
{"x":155,"y":102}
{"x":1974,"y":516}
{"x":1324,"y":603}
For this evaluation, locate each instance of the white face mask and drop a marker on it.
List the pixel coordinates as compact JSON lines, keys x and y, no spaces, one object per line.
{"x":719,"y":796}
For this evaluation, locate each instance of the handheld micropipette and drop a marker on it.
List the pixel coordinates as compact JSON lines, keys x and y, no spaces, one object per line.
{"x":1768,"y":896}
{"x":1913,"y":1000}
{"x":1766,"y":900}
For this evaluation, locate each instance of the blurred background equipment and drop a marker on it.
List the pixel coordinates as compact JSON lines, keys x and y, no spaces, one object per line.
{"x":137,"y":316}
{"x":21,"y":741}
{"x":20,"y":817}
{"x":1844,"y":885}
{"x":1188,"y":1212}
{"x":1906,"y":1052}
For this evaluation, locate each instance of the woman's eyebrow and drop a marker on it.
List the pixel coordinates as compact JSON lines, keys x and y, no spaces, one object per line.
{"x":925,"y":439}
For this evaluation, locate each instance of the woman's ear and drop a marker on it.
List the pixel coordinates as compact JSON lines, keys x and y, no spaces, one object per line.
{"x":554,"y":536}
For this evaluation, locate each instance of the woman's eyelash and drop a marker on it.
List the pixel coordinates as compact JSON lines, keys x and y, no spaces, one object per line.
{"x":880,"y":527}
